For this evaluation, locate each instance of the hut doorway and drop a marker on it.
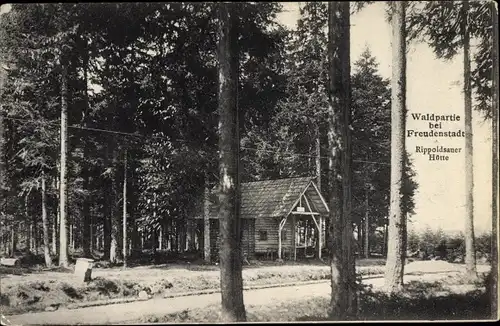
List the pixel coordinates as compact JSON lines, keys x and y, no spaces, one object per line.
{"x":306,"y":238}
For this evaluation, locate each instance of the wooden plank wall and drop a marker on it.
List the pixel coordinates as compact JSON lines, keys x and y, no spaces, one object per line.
{"x":271,"y":226}
{"x":248,"y":236}
{"x":247,"y":240}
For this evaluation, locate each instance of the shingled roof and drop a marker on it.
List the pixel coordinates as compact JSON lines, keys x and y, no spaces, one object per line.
{"x":269,"y":198}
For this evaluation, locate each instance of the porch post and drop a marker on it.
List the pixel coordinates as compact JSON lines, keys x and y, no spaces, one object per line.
{"x":320,"y":235}
{"x":294,"y":232}
{"x":279,"y":241}
{"x":280,"y":228}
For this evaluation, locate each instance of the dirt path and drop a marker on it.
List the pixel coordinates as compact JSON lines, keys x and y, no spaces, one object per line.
{"x":128,"y":312}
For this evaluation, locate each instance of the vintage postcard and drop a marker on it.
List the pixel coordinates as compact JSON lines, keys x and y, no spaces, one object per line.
{"x":181,"y":162}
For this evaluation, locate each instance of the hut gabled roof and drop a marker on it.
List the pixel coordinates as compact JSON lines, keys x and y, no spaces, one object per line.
{"x":272,"y":198}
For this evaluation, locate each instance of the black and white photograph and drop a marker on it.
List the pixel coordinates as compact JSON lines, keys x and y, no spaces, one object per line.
{"x":243,"y":162}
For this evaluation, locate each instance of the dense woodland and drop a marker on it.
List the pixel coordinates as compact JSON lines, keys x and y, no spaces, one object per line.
{"x":113,"y":115}
{"x":142,"y":102}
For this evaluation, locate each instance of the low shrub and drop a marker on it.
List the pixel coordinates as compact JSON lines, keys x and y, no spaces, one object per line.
{"x":431,"y":244}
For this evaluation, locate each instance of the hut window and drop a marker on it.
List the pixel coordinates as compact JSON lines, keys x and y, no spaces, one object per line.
{"x":262,"y":235}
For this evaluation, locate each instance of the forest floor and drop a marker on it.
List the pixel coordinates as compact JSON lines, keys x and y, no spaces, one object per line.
{"x":435,"y":295}
{"x":25,"y":289}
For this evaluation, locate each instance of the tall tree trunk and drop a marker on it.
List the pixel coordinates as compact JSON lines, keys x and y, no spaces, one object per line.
{"x":494,"y":205}
{"x":13,"y":238}
{"x":347,"y":227}
{"x":87,"y":223}
{"x":29,"y":229}
{"x":113,"y":249}
{"x":318,"y":156}
{"x":190,"y":226}
{"x":3,"y":156}
{"x":335,"y":168}
{"x":206,"y":220}
{"x":367,"y":227}
{"x":470,"y":254}
{"x":135,"y":234}
{"x":45,"y":224}
{"x":71,"y":236}
{"x":35,"y":234}
{"x":386,"y":236}
{"x":233,"y":308}
{"x":182,"y":235}
{"x":124,"y":222}
{"x":395,"y":252}
{"x":116,"y":218}
{"x":107,"y":214}
{"x":3,"y":165}
{"x":161,"y":238}
{"x":63,"y":235}
{"x":55,"y":185}
{"x":343,"y":299}
{"x":153,"y":232}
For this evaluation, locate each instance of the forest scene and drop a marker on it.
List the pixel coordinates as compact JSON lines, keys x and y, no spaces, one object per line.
{"x":206,"y":162}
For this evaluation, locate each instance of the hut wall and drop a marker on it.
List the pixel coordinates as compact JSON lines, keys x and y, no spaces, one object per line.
{"x":214,"y":239}
{"x":270,"y":226}
{"x":247,"y":237}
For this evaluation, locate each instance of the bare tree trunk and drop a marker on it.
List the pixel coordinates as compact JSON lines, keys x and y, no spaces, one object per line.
{"x":318,"y":156}
{"x":318,"y":172}
{"x":45,"y":224}
{"x":395,"y":251}
{"x":29,"y":229}
{"x":367,"y":227}
{"x":161,"y":238}
{"x":3,"y":156}
{"x":206,"y":220}
{"x":125,"y":244}
{"x":494,"y":205}
{"x":384,"y":245}
{"x":3,"y":165}
{"x":114,"y":252}
{"x":153,"y":232}
{"x":190,"y":226}
{"x":233,"y":308}
{"x":86,"y":230}
{"x":343,"y":298}
{"x":63,"y":236}
{"x":72,"y":236}
{"x":182,"y":235}
{"x":55,"y":219}
{"x":347,"y":227}
{"x":108,"y":215}
{"x":13,"y":238}
{"x":35,"y":234}
{"x":87,"y":223}
{"x":335,"y":169}
{"x":470,"y":253}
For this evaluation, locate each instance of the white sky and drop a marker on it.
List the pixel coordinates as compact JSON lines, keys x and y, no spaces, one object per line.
{"x":433,"y":86}
{"x":4,"y":8}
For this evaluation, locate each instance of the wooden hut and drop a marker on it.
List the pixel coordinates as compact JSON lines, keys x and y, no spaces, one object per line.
{"x":279,"y":219}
